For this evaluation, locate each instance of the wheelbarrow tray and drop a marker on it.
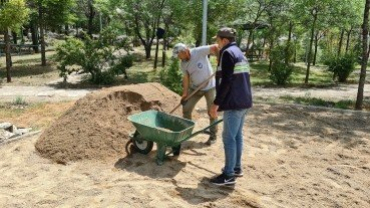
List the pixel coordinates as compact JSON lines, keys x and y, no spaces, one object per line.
{"x":162,"y":128}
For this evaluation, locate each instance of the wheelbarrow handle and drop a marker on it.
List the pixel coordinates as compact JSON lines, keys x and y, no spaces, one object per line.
{"x":202,"y":130}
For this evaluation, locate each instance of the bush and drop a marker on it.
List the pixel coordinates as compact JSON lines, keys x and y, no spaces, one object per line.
{"x":94,"y":56}
{"x":341,"y":66}
{"x":281,"y":70}
{"x":105,"y":78}
{"x":171,"y":77}
{"x":280,"y":73}
{"x":123,"y":64}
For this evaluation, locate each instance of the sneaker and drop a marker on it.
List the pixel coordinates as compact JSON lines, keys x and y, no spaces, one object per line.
{"x":223,"y":180}
{"x":238,"y":172}
{"x":211,"y":141}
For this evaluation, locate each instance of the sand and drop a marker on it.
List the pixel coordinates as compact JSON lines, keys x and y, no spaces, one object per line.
{"x":294,"y":156}
{"x":96,"y":127}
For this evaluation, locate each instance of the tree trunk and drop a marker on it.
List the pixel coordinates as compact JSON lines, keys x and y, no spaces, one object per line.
{"x":14,"y":34}
{"x":156,"y":54}
{"x":34,"y":35}
{"x":164,"y":46}
{"x":22,"y":37}
{"x":8,"y":56}
{"x":287,"y":48}
{"x":340,"y":42}
{"x":365,"y":56}
{"x":66,"y":29}
{"x":247,"y":52}
{"x":42,"y":36}
{"x":271,"y":48}
{"x":310,"y":48}
{"x":348,"y":39}
{"x":262,"y":52}
{"x":91,"y":18}
{"x":316,"y":47}
{"x":148,"y":48}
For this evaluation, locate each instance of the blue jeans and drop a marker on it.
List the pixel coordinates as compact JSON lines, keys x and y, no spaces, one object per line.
{"x":232,"y":137}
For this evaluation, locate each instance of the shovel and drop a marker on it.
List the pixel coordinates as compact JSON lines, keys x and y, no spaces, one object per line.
{"x":195,"y":91}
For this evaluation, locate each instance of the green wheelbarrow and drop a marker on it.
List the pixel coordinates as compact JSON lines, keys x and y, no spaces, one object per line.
{"x":163,"y":129}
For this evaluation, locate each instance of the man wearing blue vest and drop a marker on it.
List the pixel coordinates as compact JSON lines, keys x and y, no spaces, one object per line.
{"x":234,"y":98}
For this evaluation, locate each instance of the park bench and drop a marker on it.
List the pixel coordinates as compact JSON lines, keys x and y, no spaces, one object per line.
{"x":17,"y":48}
{"x":253,"y":57}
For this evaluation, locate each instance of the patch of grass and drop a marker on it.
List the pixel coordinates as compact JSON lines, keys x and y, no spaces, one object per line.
{"x":319,"y":77}
{"x":27,"y":70}
{"x":342,"y":104}
{"x":20,"y":101}
{"x":260,"y":73}
{"x":36,"y":115}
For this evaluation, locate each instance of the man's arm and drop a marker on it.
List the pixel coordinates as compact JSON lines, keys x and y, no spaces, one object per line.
{"x":227,"y":67}
{"x":185,"y":85}
{"x":214,"y":50}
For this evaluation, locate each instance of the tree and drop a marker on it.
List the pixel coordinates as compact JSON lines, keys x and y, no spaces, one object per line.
{"x":52,"y":14}
{"x":365,"y":56}
{"x":312,"y":13}
{"x":145,"y":17}
{"x":13,"y":14}
{"x":256,"y":9}
{"x":88,"y":9}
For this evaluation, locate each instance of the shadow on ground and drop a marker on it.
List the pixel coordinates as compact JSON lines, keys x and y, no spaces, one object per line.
{"x":337,"y":125}
{"x":145,"y":165}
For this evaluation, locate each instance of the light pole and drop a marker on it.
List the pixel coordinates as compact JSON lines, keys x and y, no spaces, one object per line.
{"x":204,"y":25}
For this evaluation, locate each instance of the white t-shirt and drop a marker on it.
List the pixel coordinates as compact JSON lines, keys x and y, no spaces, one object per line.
{"x":199,"y":68}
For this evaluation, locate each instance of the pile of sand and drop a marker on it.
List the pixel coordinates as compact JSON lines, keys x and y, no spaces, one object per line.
{"x":96,"y":127}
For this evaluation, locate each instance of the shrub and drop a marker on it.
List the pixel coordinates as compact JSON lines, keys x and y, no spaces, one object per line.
{"x":105,"y":78}
{"x":341,"y":66}
{"x":280,"y":73}
{"x":171,"y":77}
{"x":19,"y":100}
{"x":93,"y":56}
{"x":123,"y":64}
{"x":281,"y":70}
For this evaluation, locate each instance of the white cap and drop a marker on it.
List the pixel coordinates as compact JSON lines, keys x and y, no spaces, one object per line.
{"x":178,"y":48}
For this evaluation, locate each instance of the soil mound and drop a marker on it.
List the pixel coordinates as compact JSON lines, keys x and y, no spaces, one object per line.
{"x":96,"y":127}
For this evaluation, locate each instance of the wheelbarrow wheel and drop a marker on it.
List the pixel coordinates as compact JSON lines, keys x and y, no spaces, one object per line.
{"x":144,"y":147}
{"x":141,"y":145}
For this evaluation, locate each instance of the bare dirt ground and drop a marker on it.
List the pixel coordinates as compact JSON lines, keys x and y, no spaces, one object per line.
{"x":294,"y":156}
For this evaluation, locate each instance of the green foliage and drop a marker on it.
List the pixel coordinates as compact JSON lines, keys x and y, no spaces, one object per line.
{"x":342,"y":104}
{"x":171,"y":77}
{"x":280,"y":73}
{"x":341,"y":66}
{"x":13,"y":14}
{"x":19,"y":100}
{"x":123,"y":64}
{"x":56,"y":13}
{"x":96,"y":57}
{"x":103,"y":77}
{"x":281,"y":69}
{"x":69,"y":53}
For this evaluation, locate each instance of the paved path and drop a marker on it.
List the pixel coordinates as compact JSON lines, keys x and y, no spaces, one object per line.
{"x":50,"y":94}
{"x":40,"y":93}
{"x":341,"y":92}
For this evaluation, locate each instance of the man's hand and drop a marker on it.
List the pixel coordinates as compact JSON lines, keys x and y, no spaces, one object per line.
{"x":184,"y":95}
{"x":183,"y":99}
{"x":213,"y":111}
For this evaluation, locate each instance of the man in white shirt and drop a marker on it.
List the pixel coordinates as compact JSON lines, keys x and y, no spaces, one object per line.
{"x":196,"y":69}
